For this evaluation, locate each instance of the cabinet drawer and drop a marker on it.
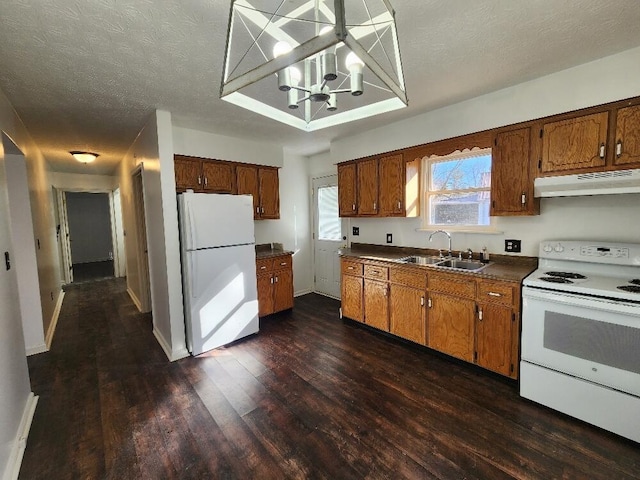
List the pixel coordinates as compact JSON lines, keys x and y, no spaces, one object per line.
{"x":453,"y":284}
{"x":351,"y":268}
{"x":264,"y":265}
{"x":377,"y":272}
{"x":409,"y":278}
{"x":282,"y":263}
{"x":497,"y":292}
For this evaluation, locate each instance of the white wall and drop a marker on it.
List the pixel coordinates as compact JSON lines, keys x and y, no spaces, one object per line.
{"x":89,"y":220}
{"x":196,"y":143}
{"x":293,"y":227}
{"x":81,"y":182}
{"x":614,"y":218}
{"x":25,"y":257}
{"x":15,"y":391}
{"x":154,"y":149}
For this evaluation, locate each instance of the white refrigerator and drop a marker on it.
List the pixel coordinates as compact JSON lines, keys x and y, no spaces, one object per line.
{"x":218,"y":269}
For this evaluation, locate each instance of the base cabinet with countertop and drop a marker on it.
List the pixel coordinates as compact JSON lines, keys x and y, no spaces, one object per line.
{"x":275,"y":283}
{"x":467,"y":316}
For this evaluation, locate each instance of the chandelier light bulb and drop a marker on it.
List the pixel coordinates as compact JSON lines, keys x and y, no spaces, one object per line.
{"x":295,"y":75}
{"x":281,"y":48}
{"x":355,"y":65}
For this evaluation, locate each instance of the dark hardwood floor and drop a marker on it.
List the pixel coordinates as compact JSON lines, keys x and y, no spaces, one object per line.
{"x":308,"y":397}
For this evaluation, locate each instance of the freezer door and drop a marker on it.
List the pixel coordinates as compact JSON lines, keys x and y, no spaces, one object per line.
{"x":214,"y":220}
{"x":220,"y":296}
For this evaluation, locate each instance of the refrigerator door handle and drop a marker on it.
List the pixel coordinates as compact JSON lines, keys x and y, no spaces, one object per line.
{"x":190,"y":227}
{"x":194,"y":276}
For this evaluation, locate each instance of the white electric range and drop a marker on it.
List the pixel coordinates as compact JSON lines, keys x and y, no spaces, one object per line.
{"x":581,"y":333}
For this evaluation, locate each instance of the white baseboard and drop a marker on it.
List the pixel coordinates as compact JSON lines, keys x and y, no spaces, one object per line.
{"x":326,"y":295}
{"x":37,"y":349}
{"x":134,"y":299}
{"x":171,"y":355}
{"x":20,"y":443}
{"x":299,"y":293}
{"x":54,"y":321}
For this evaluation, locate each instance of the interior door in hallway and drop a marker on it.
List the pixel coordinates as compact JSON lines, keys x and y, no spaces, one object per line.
{"x":327,"y":236}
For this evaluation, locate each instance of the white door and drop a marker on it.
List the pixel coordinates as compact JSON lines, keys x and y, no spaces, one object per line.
{"x":221,"y":299}
{"x":327,"y":236}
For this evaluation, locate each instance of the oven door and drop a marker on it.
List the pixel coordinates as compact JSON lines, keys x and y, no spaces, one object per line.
{"x":587,"y":337}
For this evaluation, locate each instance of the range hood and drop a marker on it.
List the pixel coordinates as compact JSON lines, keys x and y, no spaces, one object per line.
{"x":598,"y":183}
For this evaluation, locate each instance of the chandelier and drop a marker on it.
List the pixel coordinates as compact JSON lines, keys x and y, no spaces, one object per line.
{"x":313,"y":64}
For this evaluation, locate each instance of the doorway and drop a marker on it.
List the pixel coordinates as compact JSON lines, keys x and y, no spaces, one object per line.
{"x":142,"y":251}
{"x":327,"y":236}
{"x":90,"y":235}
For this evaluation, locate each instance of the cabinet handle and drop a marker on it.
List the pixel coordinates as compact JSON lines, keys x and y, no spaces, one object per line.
{"x":271,"y":279}
{"x":199,"y":180}
{"x":399,"y":205}
{"x":206,"y":181}
{"x":422,"y":301}
{"x":263,"y":267}
{"x":283,"y":264}
{"x":480,"y":315}
{"x":262,"y":210}
{"x":384,"y":293}
{"x":523,"y":199}
{"x":375,"y":206}
{"x":350,"y":268}
{"x":375,"y":272}
{"x":602,"y":150}
{"x":494,"y":294}
{"x":276,"y":279}
{"x":353,"y":207}
{"x":430,"y":303}
{"x":619,"y":148}
{"x":258,"y":210}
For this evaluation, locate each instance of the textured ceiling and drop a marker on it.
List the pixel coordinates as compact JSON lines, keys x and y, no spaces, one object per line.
{"x":86,"y":74}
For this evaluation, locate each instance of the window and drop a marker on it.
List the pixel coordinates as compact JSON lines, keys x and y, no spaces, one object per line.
{"x":458,"y":189}
{"x":328,"y":219}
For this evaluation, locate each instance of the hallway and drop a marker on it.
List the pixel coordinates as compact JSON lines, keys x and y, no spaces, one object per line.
{"x":310,"y":396}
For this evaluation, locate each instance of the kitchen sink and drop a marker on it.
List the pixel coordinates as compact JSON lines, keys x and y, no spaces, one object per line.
{"x":421,"y":260}
{"x":470,"y":265}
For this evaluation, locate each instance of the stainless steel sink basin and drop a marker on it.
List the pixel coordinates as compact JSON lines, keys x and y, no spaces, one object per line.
{"x":470,"y":265}
{"x":421,"y":260}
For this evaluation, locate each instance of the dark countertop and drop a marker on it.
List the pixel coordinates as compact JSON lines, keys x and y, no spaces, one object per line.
{"x":501,"y":267}
{"x":270,"y":250}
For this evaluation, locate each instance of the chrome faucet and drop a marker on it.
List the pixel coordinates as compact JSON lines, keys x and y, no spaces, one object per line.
{"x":448,"y":236}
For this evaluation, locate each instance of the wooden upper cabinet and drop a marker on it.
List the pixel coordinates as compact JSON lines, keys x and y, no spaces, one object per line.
{"x":511,"y":179}
{"x":218,"y":177}
{"x":269,"y":188}
{"x":391,"y":185}
{"x":247,"y":184}
{"x":368,"y":187}
{"x":187,"y":172}
{"x":347,"y":199}
{"x":575,"y":144}
{"x":627,"y":140}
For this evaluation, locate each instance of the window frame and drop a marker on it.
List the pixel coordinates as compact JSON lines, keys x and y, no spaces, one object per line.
{"x":426,"y":193}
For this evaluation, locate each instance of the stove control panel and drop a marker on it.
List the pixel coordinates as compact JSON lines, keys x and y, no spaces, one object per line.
{"x":592,"y":252}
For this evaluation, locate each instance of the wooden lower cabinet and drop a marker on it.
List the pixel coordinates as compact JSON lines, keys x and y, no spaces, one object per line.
{"x":494,"y":336}
{"x":376,"y":304}
{"x":275,"y":284}
{"x":451,"y":325}
{"x":352,"y":293}
{"x":407,"y":313}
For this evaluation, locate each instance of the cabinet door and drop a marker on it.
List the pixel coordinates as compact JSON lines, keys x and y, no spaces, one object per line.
{"x":511,"y":182}
{"x":187,"y":171}
{"x":627,"y":148}
{"x":495,"y":324}
{"x":269,"y":193}
{"x":217,"y":177}
{"x":575,"y":144}
{"x":392,"y":186}
{"x":407,"y":313}
{"x":376,"y":304}
{"x":347,"y":190}
{"x":450,"y":326}
{"x":368,"y":187}
{"x":247,"y":184}
{"x":352,"y":297}
{"x":282,"y":290}
{"x":265,"y":294}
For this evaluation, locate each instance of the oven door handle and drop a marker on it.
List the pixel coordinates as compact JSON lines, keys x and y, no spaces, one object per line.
{"x":584,"y":301}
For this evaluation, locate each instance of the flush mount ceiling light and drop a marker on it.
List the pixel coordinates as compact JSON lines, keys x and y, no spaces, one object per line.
{"x":313,"y":64}
{"x":84,"y":157}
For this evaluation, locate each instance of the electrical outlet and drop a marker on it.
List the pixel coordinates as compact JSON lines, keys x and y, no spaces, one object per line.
{"x":514,"y":246}
{"x":389,"y":238}
{"x":355,"y":231}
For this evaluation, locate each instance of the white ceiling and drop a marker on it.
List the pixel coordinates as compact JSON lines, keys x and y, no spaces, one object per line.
{"x":86,"y":74}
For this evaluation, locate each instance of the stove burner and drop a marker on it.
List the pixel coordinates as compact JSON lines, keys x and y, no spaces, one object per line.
{"x":574,"y":276}
{"x":635,"y":281}
{"x":630,"y":288}
{"x":555,"y":280}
